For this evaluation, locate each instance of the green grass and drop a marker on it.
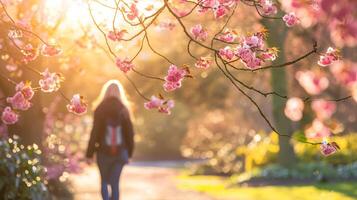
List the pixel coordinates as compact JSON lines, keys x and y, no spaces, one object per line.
{"x":218,"y":187}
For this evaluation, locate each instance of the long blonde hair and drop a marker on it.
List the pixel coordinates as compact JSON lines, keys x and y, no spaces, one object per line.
{"x":113,"y":88}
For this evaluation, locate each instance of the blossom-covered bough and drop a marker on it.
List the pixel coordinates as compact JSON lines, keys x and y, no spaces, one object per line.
{"x":229,"y":52}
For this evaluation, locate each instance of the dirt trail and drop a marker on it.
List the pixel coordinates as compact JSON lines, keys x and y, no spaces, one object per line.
{"x":153,"y":181}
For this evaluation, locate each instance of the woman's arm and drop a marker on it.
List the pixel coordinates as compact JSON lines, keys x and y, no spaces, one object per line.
{"x":129,"y":133}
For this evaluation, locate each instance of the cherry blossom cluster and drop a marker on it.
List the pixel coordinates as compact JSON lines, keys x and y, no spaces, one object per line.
{"x":329,"y":148}
{"x":314,"y":82}
{"x":24,"y":92}
{"x":162,"y":105}
{"x":50,"y":82}
{"x":294,"y":108}
{"x":228,"y":36}
{"x":199,"y":33}
{"x":345,"y":72}
{"x":204,"y":62}
{"x":116,"y":35}
{"x":77,"y":105}
{"x":268,"y":7}
{"x":329,"y":57}
{"x":251,"y":50}
{"x":290,"y":19}
{"x":19,"y":102}
{"x":338,"y":17}
{"x":174,"y":78}
{"x":20,"y":33}
{"x":124,"y":65}
{"x":220,"y":8}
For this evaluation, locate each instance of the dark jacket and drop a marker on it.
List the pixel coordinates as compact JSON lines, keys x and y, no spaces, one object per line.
{"x":112,"y":111}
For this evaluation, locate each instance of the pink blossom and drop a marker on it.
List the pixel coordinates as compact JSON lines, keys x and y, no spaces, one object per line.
{"x":160,"y":104}
{"x":220,"y":8}
{"x":203,"y":62}
{"x":116,"y":35}
{"x":323,"y":109}
{"x":174,"y":78}
{"x":50,"y":50}
{"x":50,"y":82}
{"x":294,"y":109}
{"x":171,"y":86}
{"x":313,"y":82}
{"x":345,"y":72}
{"x":329,"y":148}
{"x":219,"y":11}
{"x":77,"y":105}
{"x":329,"y":57}
{"x":30,"y":53}
{"x":25,"y":89}
{"x":269,"y":55}
{"x":344,"y":33}
{"x":290,"y":19}
{"x":199,"y":33}
{"x":268,"y":7}
{"x":154,"y":103}
{"x":248,"y":57}
{"x":253,"y":63}
{"x":11,"y":68}
{"x":228,"y":36}
{"x":254,"y":41}
{"x":244,"y":53}
{"x":8,"y":116}
{"x":19,"y":102}
{"x":167,"y":107}
{"x":317,"y":130}
{"x":227,"y":53}
{"x":133,"y":13}
{"x":124,"y":65}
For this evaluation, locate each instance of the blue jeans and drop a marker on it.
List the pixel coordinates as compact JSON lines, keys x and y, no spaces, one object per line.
{"x":110,"y":168}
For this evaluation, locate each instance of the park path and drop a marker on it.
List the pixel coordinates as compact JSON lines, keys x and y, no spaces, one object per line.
{"x":140,"y":181}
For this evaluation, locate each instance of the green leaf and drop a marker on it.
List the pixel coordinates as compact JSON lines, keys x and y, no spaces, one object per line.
{"x":299,"y":136}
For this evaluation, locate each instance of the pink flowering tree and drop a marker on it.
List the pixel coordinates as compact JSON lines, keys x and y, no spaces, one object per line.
{"x":221,"y":48}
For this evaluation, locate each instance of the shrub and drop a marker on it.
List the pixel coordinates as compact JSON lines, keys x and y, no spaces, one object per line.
{"x":21,"y":174}
{"x":318,"y":171}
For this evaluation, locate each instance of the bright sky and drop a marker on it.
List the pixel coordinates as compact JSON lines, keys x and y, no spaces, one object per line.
{"x":75,"y":12}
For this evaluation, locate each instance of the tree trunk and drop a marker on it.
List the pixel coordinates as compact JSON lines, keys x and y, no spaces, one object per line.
{"x":276,"y":38}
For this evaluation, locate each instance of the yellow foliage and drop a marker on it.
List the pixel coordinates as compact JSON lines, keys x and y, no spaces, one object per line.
{"x":264,"y":148}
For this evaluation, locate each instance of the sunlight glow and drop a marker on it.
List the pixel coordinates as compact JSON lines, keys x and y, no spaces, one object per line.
{"x":74,"y":13}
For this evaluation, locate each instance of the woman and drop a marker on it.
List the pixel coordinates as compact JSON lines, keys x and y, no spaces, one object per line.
{"x":111,"y":137}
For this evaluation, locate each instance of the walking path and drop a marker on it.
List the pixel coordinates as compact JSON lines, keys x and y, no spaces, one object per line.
{"x":140,"y":181}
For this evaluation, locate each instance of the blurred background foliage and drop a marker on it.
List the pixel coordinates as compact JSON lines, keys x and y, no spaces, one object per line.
{"x":258,"y":158}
